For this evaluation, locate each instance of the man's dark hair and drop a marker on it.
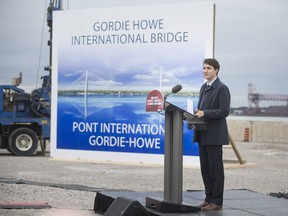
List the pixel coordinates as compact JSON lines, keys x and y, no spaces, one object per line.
{"x":212,"y":62}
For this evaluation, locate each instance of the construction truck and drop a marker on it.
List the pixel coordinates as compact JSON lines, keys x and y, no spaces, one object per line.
{"x":25,"y":118}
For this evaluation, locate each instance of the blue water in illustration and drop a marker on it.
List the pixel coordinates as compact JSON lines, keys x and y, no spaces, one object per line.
{"x":117,"y":123}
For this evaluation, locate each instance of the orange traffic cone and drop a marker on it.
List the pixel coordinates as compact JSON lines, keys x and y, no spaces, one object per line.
{"x":246,"y":135}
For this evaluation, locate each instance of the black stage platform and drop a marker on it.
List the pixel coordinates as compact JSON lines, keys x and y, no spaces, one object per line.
{"x":236,"y":202}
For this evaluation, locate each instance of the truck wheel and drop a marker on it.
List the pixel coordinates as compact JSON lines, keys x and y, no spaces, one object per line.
{"x":23,"y":142}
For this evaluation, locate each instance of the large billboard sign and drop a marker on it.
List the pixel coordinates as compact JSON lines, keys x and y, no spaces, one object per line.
{"x":105,"y":63}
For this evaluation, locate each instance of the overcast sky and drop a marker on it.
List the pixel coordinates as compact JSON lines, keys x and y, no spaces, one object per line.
{"x":251,"y":42}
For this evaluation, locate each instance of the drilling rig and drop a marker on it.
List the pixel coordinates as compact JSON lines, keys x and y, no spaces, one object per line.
{"x":24,"y":117}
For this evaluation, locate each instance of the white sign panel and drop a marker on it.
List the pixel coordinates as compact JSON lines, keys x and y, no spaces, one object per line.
{"x":106,"y":61}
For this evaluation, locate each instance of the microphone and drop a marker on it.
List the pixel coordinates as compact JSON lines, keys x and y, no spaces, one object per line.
{"x":175,"y":89}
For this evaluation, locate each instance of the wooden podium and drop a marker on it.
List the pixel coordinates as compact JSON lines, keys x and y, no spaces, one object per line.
{"x":173,"y":160}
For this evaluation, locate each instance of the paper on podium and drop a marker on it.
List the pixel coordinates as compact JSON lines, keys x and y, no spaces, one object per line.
{"x":190,"y":108}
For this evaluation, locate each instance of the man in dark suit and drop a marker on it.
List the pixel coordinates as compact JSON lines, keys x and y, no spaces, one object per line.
{"x":213,"y":106}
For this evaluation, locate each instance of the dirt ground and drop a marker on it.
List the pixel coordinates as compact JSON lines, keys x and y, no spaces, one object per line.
{"x":69,"y":187}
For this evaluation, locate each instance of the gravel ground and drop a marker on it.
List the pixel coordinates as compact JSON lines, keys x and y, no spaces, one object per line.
{"x":265,"y":172}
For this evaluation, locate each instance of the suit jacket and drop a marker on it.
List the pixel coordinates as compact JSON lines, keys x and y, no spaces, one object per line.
{"x":215,"y":102}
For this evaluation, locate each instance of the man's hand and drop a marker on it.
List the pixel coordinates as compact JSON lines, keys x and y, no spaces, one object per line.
{"x":199,"y":113}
